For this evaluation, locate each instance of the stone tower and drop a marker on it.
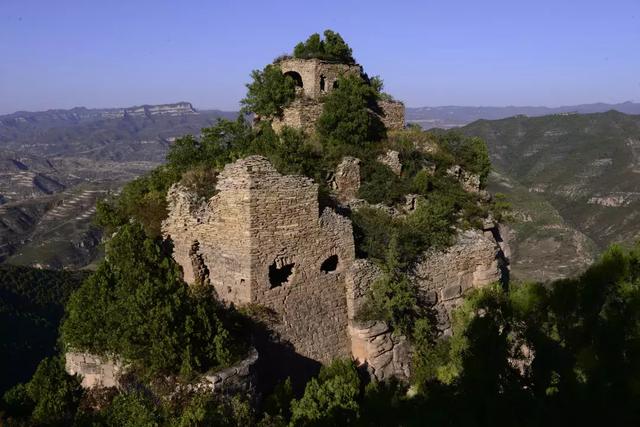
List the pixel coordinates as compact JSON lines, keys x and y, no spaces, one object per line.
{"x":261,"y":239}
{"x":316,"y":78}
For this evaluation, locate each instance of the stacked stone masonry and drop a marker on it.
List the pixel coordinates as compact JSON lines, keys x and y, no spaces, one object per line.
{"x":95,"y":371}
{"x":263,"y":241}
{"x":316,"y":77}
{"x":98,"y":372}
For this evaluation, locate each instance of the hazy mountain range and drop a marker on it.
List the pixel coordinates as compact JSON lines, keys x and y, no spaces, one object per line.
{"x":454,"y":116}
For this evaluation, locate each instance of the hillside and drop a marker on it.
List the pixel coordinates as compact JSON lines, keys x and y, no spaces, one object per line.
{"x":582,"y":168}
{"x":55,"y":164}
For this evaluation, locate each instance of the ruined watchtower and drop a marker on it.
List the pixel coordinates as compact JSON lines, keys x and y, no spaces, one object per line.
{"x":316,"y":78}
{"x":261,"y":239}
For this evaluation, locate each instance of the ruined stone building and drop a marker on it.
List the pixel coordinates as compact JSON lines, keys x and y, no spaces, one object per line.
{"x":263,"y":240}
{"x":314,"y":79}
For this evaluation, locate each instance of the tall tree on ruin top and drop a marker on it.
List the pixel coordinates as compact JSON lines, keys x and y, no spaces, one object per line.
{"x":331,"y":48}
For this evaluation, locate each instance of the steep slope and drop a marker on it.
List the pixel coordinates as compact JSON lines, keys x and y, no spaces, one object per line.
{"x":587,"y":167}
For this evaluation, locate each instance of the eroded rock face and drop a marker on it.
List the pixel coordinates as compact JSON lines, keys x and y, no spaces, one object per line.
{"x":470,"y":182}
{"x":372,"y":343}
{"x":261,"y":240}
{"x":474,"y":261}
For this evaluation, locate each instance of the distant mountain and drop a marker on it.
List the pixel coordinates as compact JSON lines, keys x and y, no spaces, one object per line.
{"x":455,"y":116}
{"x":54,"y":165}
{"x":574,"y":181}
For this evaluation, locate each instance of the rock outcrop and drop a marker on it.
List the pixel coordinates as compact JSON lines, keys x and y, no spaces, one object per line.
{"x":392,"y":160}
{"x":442,"y":277}
{"x":373,"y":344}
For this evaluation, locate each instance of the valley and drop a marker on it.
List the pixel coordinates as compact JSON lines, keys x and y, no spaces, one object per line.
{"x":55,"y":164}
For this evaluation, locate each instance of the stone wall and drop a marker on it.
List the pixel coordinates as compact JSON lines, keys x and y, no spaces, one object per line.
{"x":263,"y":241}
{"x":96,"y":371}
{"x":346,"y":180}
{"x":302,"y":113}
{"x":239,"y":378}
{"x":475,"y":260}
{"x":318,"y":77}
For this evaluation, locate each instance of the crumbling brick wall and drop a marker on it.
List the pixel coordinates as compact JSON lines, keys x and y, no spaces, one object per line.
{"x":264,"y":242}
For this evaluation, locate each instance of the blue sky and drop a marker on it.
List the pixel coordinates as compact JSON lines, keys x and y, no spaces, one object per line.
{"x":66,"y":53}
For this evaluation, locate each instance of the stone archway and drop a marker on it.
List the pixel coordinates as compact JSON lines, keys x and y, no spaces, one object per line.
{"x":297,"y":78}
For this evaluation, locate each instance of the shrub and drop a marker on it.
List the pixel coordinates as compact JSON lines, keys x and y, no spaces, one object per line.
{"x":332,"y":48}
{"x":52,"y":396}
{"x":137,"y":306}
{"x":329,"y":399}
{"x":346,"y":115}
{"x":269,"y":92}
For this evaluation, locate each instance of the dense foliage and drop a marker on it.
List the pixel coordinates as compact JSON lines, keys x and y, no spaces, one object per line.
{"x":347,"y":114}
{"x":332,"y":48}
{"x":269,"y":92}
{"x":31,"y":306}
{"x":136,"y":306}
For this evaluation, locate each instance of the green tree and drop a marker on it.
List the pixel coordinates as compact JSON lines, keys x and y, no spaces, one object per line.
{"x":330,"y":399}
{"x":336,"y":48}
{"x":269,"y":92}
{"x":132,"y":409}
{"x":54,"y":393}
{"x":137,"y":307}
{"x":332,"y":48}
{"x":346,"y":117}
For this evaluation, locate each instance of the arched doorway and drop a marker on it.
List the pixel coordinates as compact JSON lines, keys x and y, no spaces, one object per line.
{"x":297,"y":78}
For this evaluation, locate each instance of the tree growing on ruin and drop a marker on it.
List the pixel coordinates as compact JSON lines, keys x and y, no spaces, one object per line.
{"x":332,"y":48}
{"x":269,"y":92}
{"x":347,"y":118}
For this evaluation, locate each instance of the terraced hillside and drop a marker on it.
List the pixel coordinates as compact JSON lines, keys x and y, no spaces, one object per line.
{"x":54,"y":165}
{"x":580,"y":174}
